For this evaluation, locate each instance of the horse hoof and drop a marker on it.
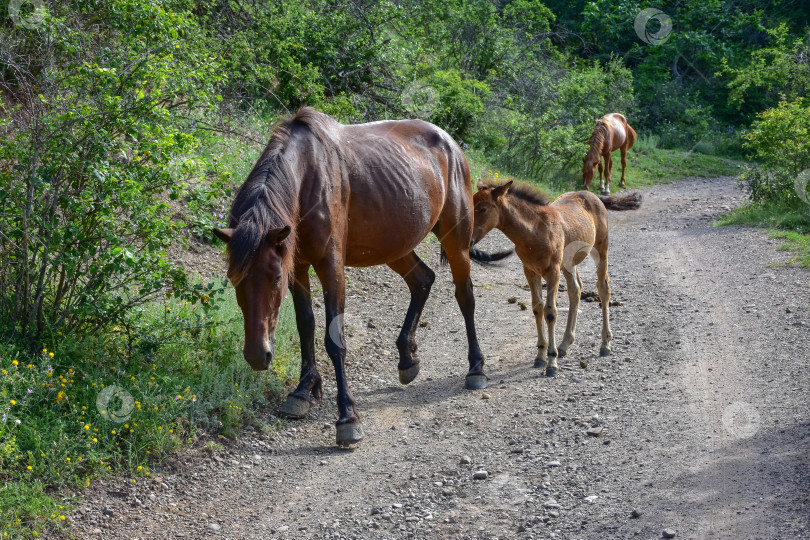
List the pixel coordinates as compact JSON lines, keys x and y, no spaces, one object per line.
{"x":551,"y":371}
{"x":349,"y":434}
{"x":561,"y":352}
{"x":407,"y":375}
{"x":540,"y":364}
{"x":604,"y":351}
{"x":295,"y":408}
{"x":475,"y":382}
{"x":606,"y":193}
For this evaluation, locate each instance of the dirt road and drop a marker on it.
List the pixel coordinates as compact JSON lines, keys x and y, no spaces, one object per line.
{"x":704,"y":409}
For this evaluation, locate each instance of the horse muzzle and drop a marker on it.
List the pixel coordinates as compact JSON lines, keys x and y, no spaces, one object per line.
{"x":260,"y":358}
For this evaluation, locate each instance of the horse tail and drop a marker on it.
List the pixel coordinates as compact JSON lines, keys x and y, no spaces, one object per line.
{"x":486,"y":258}
{"x":631,"y":137}
{"x":625,"y":201}
{"x":442,"y":256}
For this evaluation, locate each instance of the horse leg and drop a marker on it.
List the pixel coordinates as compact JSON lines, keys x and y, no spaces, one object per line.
{"x":574,"y":291}
{"x":309,"y":383}
{"x":457,"y":250}
{"x":624,"y":164}
{"x":536,"y":286}
{"x":608,"y":168}
{"x":331,"y":274}
{"x":550,"y":312}
{"x":601,"y":182}
{"x":600,"y":257}
{"x":419,"y":278}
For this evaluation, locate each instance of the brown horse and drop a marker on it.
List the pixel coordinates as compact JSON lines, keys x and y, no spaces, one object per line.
{"x":611,"y":132}
{"x":329,"y":195}
{"x":551,"y":238}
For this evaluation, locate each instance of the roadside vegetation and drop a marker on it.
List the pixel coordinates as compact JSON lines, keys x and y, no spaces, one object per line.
{"x":126,"y":125}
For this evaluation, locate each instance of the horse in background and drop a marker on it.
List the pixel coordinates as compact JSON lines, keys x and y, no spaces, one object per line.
{"x":611,"y":132}
{"x":553,"y":237}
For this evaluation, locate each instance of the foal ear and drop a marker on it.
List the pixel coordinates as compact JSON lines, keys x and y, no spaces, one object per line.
{"x":501,"y":190}
{"x":223,"y":234}
{"x":277,"y":236}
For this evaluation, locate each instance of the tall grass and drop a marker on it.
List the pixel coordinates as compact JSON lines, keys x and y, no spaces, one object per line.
{"x":120,"y":403}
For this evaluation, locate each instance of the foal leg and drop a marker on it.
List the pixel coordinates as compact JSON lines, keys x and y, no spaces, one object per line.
{"x":603,"y":286}
{"x":550,"y":312}
{"x":419,"y":278}
{"x":536,"y":286}
{"x":331,"y":274}
{"x":309,"y":383}
{"x":574,"y":291}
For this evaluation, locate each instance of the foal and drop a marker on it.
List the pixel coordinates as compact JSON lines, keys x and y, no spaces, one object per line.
{"x":551,"y":238}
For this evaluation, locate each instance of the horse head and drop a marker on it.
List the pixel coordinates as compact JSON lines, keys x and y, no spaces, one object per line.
{"x":588,"y":167}
{"x":260,"y":277}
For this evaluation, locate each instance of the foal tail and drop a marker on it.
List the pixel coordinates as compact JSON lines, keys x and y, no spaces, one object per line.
{"x":478,"y":256}
{"x":483,"y":257}
{"x":625,"y":201}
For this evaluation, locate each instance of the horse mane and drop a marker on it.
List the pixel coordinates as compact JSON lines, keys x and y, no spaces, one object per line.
{"x":598,"y":138}
{"x":268,"y":198}
{"x":520,"y":190}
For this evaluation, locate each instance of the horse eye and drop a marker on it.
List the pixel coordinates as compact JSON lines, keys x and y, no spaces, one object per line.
{"x":482,"y":209}
{"x":278,"y":281}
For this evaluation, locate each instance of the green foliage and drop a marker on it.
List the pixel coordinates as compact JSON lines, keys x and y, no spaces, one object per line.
{"x":459,"y":102}
{"x":780,"y":138}
{"x":781,"y":69}
{"x":94,"y":157}
{"x":120,"y":403}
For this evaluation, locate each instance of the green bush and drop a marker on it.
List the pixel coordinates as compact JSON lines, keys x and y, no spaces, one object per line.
{"x":780,"y":140}
{"x":95,"y":155}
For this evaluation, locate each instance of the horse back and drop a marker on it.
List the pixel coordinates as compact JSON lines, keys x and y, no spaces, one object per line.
{"x":618,"y":129}
{"x":385,"y":188}
{"x":583,"y":215}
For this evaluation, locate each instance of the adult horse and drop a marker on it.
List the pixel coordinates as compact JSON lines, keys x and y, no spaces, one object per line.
{"x":611,"y":132}
{"x":328,"y":195}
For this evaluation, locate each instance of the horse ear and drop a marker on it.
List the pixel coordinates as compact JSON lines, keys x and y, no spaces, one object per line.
{"x":223,"y":234}
{"x":501,"y":190}
{"x":277,"y":236}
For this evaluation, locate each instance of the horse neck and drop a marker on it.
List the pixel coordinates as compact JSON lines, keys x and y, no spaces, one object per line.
{"x":517,"y":218}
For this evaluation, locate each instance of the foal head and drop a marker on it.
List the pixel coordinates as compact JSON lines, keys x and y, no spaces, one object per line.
{"x":487,"y":207}
{"x":260,"y":277}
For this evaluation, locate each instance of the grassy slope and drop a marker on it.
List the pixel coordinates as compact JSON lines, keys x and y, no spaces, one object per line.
{"x":645,"y":167}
